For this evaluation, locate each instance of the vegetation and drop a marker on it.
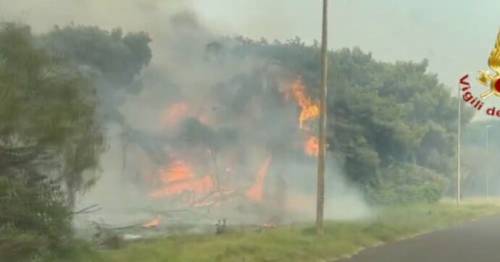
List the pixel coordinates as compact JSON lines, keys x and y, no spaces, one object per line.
{"x":47,"y":122}
{"x":393,"y":125}
{"x":481,"y":141}
{"x":116,"y":56}
{"x":112,"y":59}
{"x":299,"y":242}
{"x":50,"y":143}
{"x":393,"y":130}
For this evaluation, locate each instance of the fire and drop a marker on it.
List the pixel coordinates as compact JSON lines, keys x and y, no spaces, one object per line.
{"x":311,"y":146}
{"x":256,"y":192}
{"x":309,"y":111}
{"x":155,"y":223}
{"x":309,"y":108}
{"x":175,"y":113}
{"x":178,"y":171}
{"x":179,"y":178}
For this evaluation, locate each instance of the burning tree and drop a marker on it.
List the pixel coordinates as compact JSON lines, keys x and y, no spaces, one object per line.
{"x":215,"y":158}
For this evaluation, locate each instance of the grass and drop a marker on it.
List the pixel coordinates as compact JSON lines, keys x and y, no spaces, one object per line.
{"x":299,"y":242}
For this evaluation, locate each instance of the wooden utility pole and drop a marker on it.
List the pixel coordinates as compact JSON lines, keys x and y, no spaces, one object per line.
{"x":320,"y":201}
{"x":459,"y":152}
{"x":488,"y":152}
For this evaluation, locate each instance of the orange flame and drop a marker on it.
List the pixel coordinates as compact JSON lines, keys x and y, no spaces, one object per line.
{"x":179,"y":178}
{"x":256,"y":192}
{"x":155,"y":223}
{"x":311,"y":146}
{"x":178,"y":171}
{"x":309,"y":108}
{"x":309,"y":111}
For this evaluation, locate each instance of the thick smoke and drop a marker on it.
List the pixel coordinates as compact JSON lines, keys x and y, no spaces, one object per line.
{"x":224,"y":115}
{"x":225,"y":118}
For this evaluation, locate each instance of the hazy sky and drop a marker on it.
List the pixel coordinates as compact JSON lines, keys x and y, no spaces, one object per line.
{"x":455,"y":35}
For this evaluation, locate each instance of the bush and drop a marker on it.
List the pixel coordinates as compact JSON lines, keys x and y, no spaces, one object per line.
{"x":405,"y":184}
{"x":34,"y":219}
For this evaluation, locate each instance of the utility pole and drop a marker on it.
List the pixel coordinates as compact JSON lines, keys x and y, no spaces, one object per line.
{"x":459,"y":153}
{"x":320,"y":194}
{"x":488,"y":152}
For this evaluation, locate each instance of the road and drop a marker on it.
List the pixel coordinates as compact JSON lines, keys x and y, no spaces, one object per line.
{"x":477,"y":241}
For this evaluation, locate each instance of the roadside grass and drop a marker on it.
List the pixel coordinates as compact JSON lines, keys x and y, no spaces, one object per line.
{"x":299,"y":242}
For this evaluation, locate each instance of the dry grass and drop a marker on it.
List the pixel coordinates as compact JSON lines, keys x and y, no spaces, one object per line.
{"x":299,"y":242}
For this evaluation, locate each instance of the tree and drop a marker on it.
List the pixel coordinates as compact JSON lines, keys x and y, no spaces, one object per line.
{"x":50,"y":143}
{"x":119,"y":58}
{"x":388,"y":116}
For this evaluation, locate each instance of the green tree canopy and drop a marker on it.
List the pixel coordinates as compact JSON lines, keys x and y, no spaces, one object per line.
{"x":49,"y":137}
{"x":386,"y":120}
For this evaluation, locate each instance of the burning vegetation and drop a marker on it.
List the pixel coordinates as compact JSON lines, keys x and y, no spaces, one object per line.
{"x":179,"y":178}
{"x":309,"y":112}
{"x":213,"y":128}
{"x":256,"y":192}
{"x":206,"y":167}
{"x":309,"y":108}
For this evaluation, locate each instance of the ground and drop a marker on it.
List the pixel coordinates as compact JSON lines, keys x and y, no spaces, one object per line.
{"x":299,"y":242}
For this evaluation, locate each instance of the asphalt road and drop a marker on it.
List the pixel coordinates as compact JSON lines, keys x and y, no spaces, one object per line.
{"x":477,"y":241}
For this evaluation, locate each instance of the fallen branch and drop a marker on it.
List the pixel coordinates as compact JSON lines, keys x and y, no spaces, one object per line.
{"x":90,"y":209}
